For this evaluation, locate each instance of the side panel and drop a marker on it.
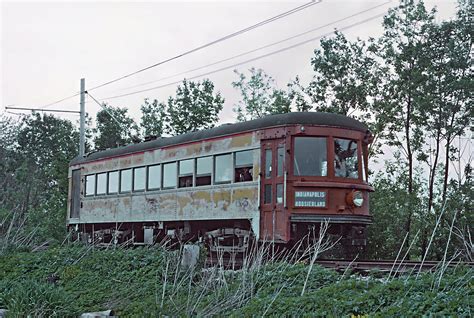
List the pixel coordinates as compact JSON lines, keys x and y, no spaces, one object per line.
{"x":232,"y":201}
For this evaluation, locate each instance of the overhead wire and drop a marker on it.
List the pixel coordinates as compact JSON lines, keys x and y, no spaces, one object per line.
{"x":61,"y":100}
{"x":258,"y":49}
{"x":107,"y":111}
{"x":249,"y":60}
{"x":234,"y":34}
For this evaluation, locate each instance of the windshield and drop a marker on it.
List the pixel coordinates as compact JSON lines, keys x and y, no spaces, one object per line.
{"x":346,"y":164}
{"x":310,"y":157}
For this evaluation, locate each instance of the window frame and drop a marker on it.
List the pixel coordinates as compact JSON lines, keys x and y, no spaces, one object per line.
{"x":186,"y":175}
{"x":108,"y":182}
{"x":133,"y":179}
{"x":160,"y":181}
{"x":163,"y":187}
{"x":85,"y":185}
{"x":329,"y":156}
{"x":231,"y":168}
{"x":201,"y":175}
{"x":358,"y":156}
{"x":97,"y":183}
{"x":241,"y":166}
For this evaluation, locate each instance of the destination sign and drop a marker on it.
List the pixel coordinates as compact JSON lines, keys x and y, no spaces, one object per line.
{"x":312,"y":199}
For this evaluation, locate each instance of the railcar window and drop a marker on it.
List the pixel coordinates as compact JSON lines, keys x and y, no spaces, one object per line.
{"x":126,"y":180}
{"x":345,"y":158}
{"x":223,"y":168}
{"x":113,"y":182}
{"x":203,"y":171}
{"x":186,"y":168}
{"x":310,"y":156}
{"x":267,"y":196}
{"x":154,"y":177}
{"x":170,"y":171}
{"x":243,"y":166}
{"x":279,"y":194}
{"x":268,"y":163}
{"x":101,"y":183}
{"x":280,"y":161}
{"x":364,"y":156}
{"x":139,"y":179}
{"x":90,"y":185}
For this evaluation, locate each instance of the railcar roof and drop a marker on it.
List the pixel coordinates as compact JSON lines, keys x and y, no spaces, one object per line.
{"x":294,"y":118}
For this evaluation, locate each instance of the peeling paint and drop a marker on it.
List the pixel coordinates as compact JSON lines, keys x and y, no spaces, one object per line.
{"x":241,"y":141}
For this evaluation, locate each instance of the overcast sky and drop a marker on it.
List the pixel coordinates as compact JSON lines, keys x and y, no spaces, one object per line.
{"x":46,"y":47}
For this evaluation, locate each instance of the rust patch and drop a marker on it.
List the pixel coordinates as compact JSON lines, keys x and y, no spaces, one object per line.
{"x":152,"y":205}
{"x":125,"y":162}
{"x":202,"y":195}
{"x":183,"y":201}
{"x":138,"y":159}
{"x":170,"y":153}
{"x":221,"y":199}
{"x":126,"y":201}
{"x":241,"y":141}
{"x":256,"y":171}
{"x":207,"y":147}
{"x":167,"y":201}
{"x":244,"y":193}
{"x":194,"y":149}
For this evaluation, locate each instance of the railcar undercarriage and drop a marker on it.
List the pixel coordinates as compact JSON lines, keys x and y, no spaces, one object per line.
{"x":219,"y":236}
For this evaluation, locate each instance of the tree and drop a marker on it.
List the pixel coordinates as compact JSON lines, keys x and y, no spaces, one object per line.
{"x":297,"y":94}
{"x":194,"y":107}
{"x":346,"y":79}
{"x":349,"y":80}
{"x":114,"y":127}
{"x":35,"y":171}
{"x":153,"y":118}
{"x":259,"y":96}
{"x":402,"y":50}
{"x":447,"y":92}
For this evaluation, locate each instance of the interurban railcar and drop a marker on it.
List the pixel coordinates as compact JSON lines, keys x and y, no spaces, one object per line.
{"x":272,"y":178}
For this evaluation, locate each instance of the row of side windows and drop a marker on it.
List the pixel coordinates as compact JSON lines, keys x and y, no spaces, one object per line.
{"x":230,"y":167}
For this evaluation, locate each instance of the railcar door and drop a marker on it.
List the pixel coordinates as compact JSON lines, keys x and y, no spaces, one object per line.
{"x":274,"y":221}
{"x":75,"y":194}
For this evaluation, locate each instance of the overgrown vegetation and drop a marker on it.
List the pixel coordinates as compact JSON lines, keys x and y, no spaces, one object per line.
{"x":67,"y":281}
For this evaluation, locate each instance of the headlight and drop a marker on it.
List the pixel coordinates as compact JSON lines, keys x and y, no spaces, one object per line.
{"x":357,"y":198}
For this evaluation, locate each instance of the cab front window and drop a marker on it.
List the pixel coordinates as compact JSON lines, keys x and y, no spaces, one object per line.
{"x":346,"y":164}
{"x":310,"y":156}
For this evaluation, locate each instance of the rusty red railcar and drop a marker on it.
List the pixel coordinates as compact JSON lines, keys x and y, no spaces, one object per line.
{"x":272,"y":178}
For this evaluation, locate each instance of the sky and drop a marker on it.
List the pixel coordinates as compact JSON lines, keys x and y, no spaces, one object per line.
{"x":47,"y":47}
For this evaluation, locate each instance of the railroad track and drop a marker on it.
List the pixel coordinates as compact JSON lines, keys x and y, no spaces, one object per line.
{"x":360,"y":266}
{"x":385,"y":265}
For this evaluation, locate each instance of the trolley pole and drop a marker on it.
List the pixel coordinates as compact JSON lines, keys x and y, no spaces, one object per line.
{"x":82,"y":132}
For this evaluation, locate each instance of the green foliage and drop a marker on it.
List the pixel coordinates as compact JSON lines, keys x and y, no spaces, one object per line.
{"x":114,"y":127}
{"x":153,"y":118}
{"x":259,"y":97}
{"x":34,"y":178}
{"x":71,"y":280}
{"x":347,"y":76}
{"x":390,"y":210}
{"x":194,"y":107}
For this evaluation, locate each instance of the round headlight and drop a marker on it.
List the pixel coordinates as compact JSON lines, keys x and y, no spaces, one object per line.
{"x":358,"y":198}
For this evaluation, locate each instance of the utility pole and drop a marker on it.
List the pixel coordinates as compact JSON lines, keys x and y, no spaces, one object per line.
{"x":82,"y":130}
